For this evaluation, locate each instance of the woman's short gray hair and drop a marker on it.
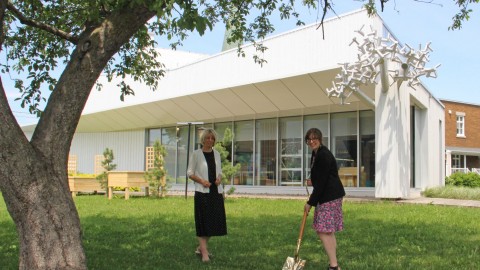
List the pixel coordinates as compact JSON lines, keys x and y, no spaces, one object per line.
{"x":206,"y":132}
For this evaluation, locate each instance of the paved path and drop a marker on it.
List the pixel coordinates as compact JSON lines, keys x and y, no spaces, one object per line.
{"x":419,"y":200}
{"x":441,"y":201}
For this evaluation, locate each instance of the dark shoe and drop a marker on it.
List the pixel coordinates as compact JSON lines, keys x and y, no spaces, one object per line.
{"x":333,"y":267}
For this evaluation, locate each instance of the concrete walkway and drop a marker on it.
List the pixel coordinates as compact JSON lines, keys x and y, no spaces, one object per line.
{"x":441,"y":201}
{"x":419,"y":200}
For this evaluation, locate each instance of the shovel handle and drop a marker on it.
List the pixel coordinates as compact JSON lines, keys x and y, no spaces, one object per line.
{"x":300,"y":236}
{"x":302,"y":227}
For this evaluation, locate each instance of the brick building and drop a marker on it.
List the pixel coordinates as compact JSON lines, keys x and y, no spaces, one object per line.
{"x":462,"y":136}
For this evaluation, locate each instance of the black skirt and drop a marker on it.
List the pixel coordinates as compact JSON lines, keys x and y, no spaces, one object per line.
{"x":210,"y":218}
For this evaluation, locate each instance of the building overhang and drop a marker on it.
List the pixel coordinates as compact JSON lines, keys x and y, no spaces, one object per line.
{"x":299,"y":95}
{"x":463,"y":151}
{"x":300,"y":66}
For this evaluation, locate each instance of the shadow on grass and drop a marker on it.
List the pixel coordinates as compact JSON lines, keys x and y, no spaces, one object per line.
{"x":160,"y":234}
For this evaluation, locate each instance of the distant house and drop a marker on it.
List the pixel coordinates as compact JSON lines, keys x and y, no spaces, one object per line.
{"x":388,"y":138}
{"x":462,"y":136}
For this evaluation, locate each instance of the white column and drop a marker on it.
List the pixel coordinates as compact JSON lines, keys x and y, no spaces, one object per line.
{"x":392,"y":149}
{"x":448,"y":163}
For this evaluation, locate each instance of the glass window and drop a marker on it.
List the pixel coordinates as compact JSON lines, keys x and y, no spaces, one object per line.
{"x":460,"y":124}
{"x":367,"y":149}
{"x":220,"y":128}
{"x":457,"y":161}
{"x":265,"y":152}
{"x":169,"y":141}
{"x":243,"y":152}
{"x":314,"y":121}
{"x":153,"y":135}
{"x":182,"y":135}
{"x":344,"y":146}
{"x":290,"y":151}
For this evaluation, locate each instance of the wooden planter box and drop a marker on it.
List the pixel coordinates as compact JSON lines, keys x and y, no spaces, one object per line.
{"x":126,"y":180}
{"x":83,"y":184}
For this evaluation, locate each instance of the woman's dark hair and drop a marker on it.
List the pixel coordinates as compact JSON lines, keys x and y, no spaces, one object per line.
{"x":313,"y":133}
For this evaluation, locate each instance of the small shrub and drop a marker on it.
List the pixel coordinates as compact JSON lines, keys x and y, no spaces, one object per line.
{"x":228,"y":170}
{"x":108,"y":166}
{"x":231,"y":190}
{"x":460,"y":179}
{"x":156,"y":176}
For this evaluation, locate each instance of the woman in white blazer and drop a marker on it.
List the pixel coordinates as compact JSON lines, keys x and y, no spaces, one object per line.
{"x":205,"y":169}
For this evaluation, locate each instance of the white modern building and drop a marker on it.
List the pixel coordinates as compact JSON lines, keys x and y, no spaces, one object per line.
{"x":387,"y":134}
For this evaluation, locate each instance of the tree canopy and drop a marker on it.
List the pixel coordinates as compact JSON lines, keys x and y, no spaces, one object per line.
{"x":56,"y":27}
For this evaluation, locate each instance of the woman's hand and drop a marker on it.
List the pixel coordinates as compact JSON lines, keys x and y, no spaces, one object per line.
{"x":307,"y":208}
{"x":309,"y":182}
{"x":205,"y":183}
{"x":218,"y":181}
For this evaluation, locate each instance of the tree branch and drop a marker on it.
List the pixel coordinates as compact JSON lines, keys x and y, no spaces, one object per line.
{"x":58,"y":122}
{"x":48,"y":28}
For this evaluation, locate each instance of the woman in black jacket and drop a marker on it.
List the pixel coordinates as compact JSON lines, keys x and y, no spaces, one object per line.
{"x":327,"y":195}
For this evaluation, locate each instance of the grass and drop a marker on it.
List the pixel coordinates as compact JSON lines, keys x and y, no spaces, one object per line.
{"x":453,"y":192}
{"x":147,"y":233}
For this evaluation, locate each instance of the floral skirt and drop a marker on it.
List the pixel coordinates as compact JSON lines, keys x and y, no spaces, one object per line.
{"x":328,"y":217}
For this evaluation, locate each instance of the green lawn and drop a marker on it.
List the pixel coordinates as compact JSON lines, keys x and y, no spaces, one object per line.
{"x":146,"y":233}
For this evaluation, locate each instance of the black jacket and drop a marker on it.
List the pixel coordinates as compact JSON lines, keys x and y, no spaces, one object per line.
{"x":324,"y":175}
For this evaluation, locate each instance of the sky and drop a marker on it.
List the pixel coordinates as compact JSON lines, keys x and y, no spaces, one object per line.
{"x":413,"y":23}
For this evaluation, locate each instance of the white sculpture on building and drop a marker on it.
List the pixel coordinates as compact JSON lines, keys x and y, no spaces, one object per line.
{"x":383,"y":57}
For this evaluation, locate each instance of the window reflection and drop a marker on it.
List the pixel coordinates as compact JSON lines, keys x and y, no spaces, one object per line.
{"x":344,"y":146}
{"x":367,"y":149}
{"x":272,"y":151}
{"x":169,"y":141}
{"x":244,"y":152}
{"x":291,"y":143}
{"x":266,"y":152}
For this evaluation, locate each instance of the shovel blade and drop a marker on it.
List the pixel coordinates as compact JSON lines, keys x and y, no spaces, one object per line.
{"x":294,"y":264}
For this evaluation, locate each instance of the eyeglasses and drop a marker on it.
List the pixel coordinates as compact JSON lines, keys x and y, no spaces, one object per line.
{"x":307,"y":141}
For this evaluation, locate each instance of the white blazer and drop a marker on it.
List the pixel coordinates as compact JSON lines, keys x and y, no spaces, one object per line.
{"x":198,"y":166}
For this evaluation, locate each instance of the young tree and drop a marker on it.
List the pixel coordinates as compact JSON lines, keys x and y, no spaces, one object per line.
{"x":228,"y":170}
{"x":108,"y":165}
{"x":84,"y":36}
{"x":156,"y":176}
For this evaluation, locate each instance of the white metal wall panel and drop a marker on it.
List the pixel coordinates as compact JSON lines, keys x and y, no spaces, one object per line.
{"x":128,"y":149}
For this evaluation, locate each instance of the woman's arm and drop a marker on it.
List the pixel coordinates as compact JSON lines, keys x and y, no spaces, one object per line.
{"x":320,"y":171}
{"x":192,"y":171}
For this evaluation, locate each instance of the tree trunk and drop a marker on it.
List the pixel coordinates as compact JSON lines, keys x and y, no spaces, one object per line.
{"x":33,"y":175}
{"x":47,"y":222}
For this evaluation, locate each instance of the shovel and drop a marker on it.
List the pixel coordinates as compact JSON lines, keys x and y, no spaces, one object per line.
{"x":295,"y":263}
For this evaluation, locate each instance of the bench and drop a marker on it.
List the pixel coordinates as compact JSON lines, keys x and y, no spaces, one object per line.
{"x":126,"y":179}
{"x":83,"y":184}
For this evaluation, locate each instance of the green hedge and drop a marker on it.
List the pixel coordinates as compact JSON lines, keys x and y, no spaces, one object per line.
{"x":463,"y":179}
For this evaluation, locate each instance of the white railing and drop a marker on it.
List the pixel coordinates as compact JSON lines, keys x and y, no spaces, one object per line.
{"x":463,"y":170}
{"x":476,"y":170}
